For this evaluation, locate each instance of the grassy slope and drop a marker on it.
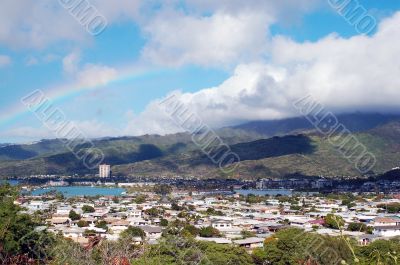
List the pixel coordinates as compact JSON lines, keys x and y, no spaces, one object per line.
{"x":324,"y":160}
{"x":176,"y":154}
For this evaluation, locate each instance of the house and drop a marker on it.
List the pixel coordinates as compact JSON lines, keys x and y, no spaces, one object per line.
{"x":65,"y":209}
{"x":318,"y":222}
{"x":119,"y":226}
{"x":135,"y":213}
{"x":387,"y":231}
{"x":90,"y":220}
{"x":221,"y":224}
{"x":153,"y":232}
{"x":386,"y":221}
{"x":250,"y":243}
{"x":70,"y":232}
{"x":37,"y":206}
{"x":138,"y":221}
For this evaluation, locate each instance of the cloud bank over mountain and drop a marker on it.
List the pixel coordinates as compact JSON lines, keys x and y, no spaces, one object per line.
{"x":353,"y":74}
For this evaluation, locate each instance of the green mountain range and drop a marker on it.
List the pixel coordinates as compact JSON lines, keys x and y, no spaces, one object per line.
{"x":265,"y":148}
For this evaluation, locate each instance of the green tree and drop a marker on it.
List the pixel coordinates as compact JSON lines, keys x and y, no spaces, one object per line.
{"x":163,"y":189}
{"x":89,"y":232}
{"x":209,"y":231}
{"x":73,"y":215}
{"x":391,"y":207}
{"x":190,"y":230}
{"x":334,"y":221}
{"x":154,"y":212}
{"x":212,"y":211}
{"x":176,"y":207}
{"x":259,"y":256}
{"x":102,"y":224}
{"x":357,"y":227}
{"x":18,"y":234}
{"x":140,"y":199}
{"x":176,"y":250}
{"x":131,"y":232}
{"x":295,"y":246}
{"x":164,"y":222}
{"x":380,"y":252}
{"x":88,"y":209}
{"x":82,"y":223}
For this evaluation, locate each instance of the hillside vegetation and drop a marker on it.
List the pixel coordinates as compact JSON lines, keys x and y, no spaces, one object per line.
{"x":298,"y":150}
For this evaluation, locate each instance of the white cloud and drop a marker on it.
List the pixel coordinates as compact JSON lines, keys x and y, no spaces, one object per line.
{"x":359,"y":73}
{"x":231,"y":32}
{"x":177,"y":39}
{"x":94,"y":75}
{"x":4,"y":60}
{"x":71,"y":62}
{"x":151,"y":121}
{"x":36,"y":24}
{"x":235,"y":31}
{"x":88,"y":75}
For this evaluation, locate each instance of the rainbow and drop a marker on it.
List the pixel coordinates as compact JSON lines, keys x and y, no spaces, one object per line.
{"x":61,"y":94}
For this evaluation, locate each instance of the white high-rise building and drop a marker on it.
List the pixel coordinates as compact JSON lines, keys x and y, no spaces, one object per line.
{"x":104,"y":171}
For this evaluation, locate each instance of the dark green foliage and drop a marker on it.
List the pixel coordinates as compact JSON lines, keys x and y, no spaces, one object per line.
{"x":82,"y":223}
{"x":209,"y":231}
{"x":88,"y":209}
{"x":17,"y":231}
{"x":176,"y":207}
{"x":357,"y":227}
{"x":102,"y":224}
{"x":174,"y":251}
{"x":273,"y":147}
{"x":251,"y":198}
{"x":154,"y":212}
{"x":132,"y":232}
{"x":16,"y":152}
{"x":73,"y":215}
{"x":140,"y":199}
{"x":334,"y":221}
{"x":212,"y":211}
{"x":294,"y":246}
{"x":164,"y":222}
{"x":180,"y":229}
{"x":163,"y":189}
{"x":380,"y":252}
{"x":391,"y":207}
{"x":89,"y":232}
{"x":190,"y":230}
{"x":259,"y":256}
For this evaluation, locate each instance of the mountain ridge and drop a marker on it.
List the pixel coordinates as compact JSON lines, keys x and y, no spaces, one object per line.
{"x":294,"y":147}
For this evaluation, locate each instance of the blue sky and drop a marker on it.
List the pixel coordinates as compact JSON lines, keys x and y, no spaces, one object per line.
{"x":230,"y":62}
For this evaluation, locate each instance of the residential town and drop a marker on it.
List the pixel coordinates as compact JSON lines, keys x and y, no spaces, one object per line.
{"x":246,"y":221}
